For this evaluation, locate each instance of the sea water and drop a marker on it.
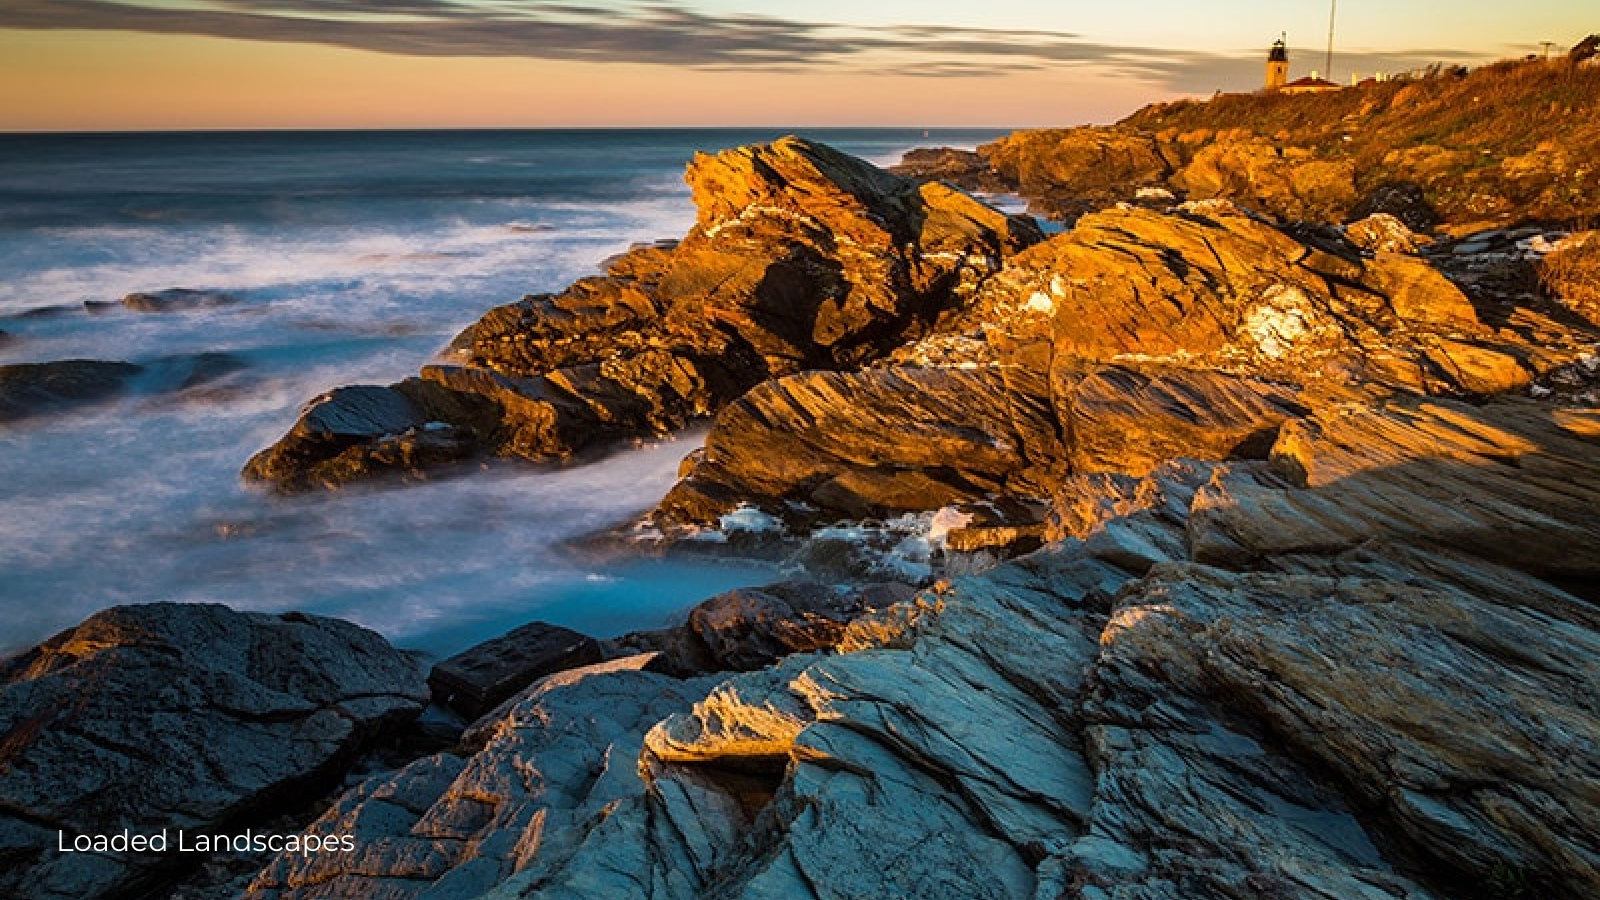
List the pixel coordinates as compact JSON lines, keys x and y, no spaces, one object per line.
{"x":353,"y":257}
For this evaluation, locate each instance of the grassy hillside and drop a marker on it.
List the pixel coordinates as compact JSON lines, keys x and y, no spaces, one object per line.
{"x":1512,"y":141}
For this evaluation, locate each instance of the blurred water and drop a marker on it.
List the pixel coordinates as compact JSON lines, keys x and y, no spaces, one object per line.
{"x":353,"y":257}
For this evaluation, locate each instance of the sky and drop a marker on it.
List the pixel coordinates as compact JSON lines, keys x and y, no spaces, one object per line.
{"x":89,"y":65}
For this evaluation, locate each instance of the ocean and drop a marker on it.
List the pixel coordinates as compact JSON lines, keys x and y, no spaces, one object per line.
{"x":350,"y":257}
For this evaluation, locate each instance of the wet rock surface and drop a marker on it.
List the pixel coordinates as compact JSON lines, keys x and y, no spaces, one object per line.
{"x":179,"y":717}
{"x":28,"y":389}
{"x":37,"y":389}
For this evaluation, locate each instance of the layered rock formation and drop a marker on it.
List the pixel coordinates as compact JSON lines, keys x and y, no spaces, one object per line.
{"x":177,"y":717}
{"x":1137,"y":337}
{"x":1329,"y":674}
{"x":801,"y":258}
{"x":1316,"y":620}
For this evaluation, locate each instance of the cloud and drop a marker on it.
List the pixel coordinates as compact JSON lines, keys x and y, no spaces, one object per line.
{"x":653,"y":33}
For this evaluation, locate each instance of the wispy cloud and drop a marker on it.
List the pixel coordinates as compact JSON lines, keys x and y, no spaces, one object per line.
{"x":654,"y":33}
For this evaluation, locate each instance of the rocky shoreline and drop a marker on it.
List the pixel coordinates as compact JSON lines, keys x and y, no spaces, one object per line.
{"x":1255,"y":544}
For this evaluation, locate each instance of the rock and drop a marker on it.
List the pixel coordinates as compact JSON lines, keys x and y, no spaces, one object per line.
{"x":1405,"y":200}
{"x":1571,"y":274}
{"x":1382,"y":233}
{"x":965,"y":169}
{"x":177,"y":299}
{"x":478,"y":679}
{"x":1095,"y":167}
{"x":1282,"y":182}
{"x":1452,"y":749}
{"x":1348,"y":670}
{"x":1510,"y":481}
{"x":1131,"y":421}
{"x":1079,"y":368}
{"x":180,"y":717}
{"x":560,"y":760}
{"x":870,"y":443}
{"x":352,"y":433}
{"x":748,"y":628}
{"x":1224,"y":291}
{"x":28,"y":389}
{"x":801,"y":258}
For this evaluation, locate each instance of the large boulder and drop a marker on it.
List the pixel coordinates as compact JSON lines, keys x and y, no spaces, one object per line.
{"x":478,"y":679}
{"x":801,"y":257}
{"x":177,"y":717}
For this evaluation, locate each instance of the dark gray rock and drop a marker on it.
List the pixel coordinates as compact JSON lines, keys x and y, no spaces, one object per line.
{"x":479,"y":678}
{"x":180,"y":717}
{"x":28,"y":389}
{"x":358,"y":431}
{"x":749,"y":628}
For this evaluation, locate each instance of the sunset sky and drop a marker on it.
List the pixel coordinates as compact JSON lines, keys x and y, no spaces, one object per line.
{"x":160,"y":64}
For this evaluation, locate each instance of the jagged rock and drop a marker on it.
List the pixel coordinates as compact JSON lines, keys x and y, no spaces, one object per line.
{"x":1139,"y":337}
{"x":1405,"y":200}
{"x":1220,"y":290}
{"x":28,"y":389}
{"x":351,"y":433}
{"x":182,"y":717}
{"x":1389,"y":703}
{"x":801,"y":257}
{"x":749,"y":628}
{"x":1571,"y":273}
{"x":478,"y":679}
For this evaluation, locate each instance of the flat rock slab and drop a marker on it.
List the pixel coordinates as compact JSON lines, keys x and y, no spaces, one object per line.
{"x":480,"y":678}
{"x":177,"y":717}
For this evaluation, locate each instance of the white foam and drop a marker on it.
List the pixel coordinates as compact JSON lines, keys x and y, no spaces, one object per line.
{"x":139,"y":499}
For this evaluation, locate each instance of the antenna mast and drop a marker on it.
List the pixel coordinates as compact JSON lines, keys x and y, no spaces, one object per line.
{"x":1333,"y":8}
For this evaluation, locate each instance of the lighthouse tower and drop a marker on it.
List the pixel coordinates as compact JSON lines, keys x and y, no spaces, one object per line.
{"x":1277,"y":65}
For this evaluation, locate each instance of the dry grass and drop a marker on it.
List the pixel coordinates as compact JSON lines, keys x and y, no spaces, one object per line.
{"x":1573,"y":275}
{"x":1516,"y":138}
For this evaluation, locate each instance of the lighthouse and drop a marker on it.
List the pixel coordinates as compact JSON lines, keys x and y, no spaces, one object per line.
{"x":1277,"y":65}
